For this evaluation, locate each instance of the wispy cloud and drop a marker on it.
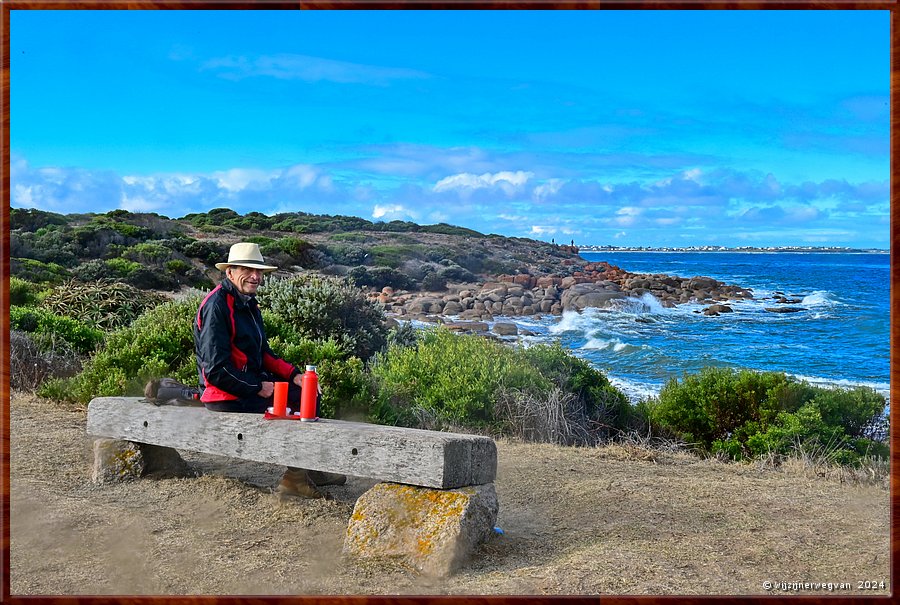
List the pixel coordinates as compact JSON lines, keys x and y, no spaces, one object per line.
{"x":308,"y":69}
{"x":506,"y":181}
{"x":514,"y":202}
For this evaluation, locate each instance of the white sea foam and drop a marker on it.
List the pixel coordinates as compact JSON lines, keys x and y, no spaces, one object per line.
{"x":818,"y":298}
{"x":882,"y":388}
{"x":599,"y":344}
{"x":635,"y":391}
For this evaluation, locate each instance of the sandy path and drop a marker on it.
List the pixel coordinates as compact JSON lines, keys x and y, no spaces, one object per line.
{"x":577,"y":521}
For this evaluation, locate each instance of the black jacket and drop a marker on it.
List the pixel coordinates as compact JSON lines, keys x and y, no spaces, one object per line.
{"x":231,"y":346}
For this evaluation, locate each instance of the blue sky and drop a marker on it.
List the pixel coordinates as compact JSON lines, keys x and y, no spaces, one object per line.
{"x":663,"y":128}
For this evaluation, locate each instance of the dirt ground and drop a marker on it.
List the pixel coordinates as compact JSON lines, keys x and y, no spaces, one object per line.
{"x":611,"y":520}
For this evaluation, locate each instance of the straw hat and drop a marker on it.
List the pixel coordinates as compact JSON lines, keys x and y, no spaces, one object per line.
{"x":245,"y":255}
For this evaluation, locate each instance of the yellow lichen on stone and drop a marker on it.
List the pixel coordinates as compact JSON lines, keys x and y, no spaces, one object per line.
{"x":430,"y":529}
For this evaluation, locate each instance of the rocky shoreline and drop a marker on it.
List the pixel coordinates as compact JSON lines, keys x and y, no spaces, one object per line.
{"x":595,"y":284}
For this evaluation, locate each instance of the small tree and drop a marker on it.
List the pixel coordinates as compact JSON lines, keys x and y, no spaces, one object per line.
{"x":322,"y":308}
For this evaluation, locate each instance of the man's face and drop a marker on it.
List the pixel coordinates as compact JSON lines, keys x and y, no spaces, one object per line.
{"x":245,"y":279}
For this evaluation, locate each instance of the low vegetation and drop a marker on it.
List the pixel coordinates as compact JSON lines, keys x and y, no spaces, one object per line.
{"x":86,"y":321}
{"x":743,"y":415}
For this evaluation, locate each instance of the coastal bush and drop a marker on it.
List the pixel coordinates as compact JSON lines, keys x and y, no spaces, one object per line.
{"x":456,"y":378}
{"x":746,"y":414}
{"x":393,"y":255}
{"x":38,"y":272}
{"x":48,"y":329}
{"x":31,"y":219}
{"x":542,"y":393}
{"x":380,"y":277}
{"x":289,"y":251}
{"x":158,"y":343}
{"x":434,"y":282}
{"x":605,"y":407}
{"x":22,"y":292}
{"x":347,"y":254}
{"x":205,"y":251}
{"x":321,"y":308}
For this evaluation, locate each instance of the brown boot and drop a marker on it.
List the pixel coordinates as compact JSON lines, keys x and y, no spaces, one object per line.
{"x":296,"y":484}
{"x":322,"y":478}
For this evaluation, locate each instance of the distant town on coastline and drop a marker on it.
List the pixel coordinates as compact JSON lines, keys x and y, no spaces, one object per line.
{"x":594,"y":248}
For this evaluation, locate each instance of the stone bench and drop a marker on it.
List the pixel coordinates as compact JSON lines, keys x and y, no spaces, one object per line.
{"x":435,"y":504}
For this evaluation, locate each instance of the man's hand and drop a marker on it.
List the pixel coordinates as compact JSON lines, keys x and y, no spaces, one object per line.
{"x":298,"y":380}
{"x":267,"y":390}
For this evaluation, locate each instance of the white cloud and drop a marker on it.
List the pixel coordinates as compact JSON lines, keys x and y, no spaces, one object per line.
{"x":21,"y":196}
{"x":391,"y":212}
{"x":308,"y":69}
{"x":238,"y":179}
{"x":545,"y":190}
{"x":542,"y":230}
{"x":506,"y":181}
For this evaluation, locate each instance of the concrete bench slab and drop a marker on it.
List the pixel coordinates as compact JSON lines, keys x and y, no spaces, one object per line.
{"x":395,"y":454}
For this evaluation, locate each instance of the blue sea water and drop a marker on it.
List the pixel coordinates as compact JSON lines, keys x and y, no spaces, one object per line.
{"x":840,"y":338}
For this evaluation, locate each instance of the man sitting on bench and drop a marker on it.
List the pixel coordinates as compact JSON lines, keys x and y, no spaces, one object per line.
{"x":236,"y":366}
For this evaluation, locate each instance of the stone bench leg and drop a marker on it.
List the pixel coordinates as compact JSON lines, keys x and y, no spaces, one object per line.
{"x":431,"y":530}
{"x":116,"y":460}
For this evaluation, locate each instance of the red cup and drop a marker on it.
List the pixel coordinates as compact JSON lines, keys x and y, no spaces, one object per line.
{"x":279,"y":407}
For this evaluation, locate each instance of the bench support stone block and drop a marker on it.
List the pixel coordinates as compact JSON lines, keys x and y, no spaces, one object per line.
{"x":116,"y":460}
{"x":434,"y":531}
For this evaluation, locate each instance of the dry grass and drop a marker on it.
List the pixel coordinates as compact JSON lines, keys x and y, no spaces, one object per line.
{"x":622,"y":518}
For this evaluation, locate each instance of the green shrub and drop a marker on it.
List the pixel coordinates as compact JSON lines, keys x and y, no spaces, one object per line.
{"x":22,"y":292}
{"x":347,"y":389}
{"x":48,"y":328}
{"x":380,"y":277}
{"x":602,"y":403}
{"x":541,"y":393}
{"x":456,"y":378}
{"x":205,"y":251}
{"x":120,"y":267}
{"x":178,"y":266}
{"x":347,"y":254}
{"x":434,"y":282}
{"x":393,"y":255}
{"x":38,"y":272}
{"x":159,"y":343}
{"x":749,"y":414}
{"x":148,"y":253}
{"x":321,"y":308}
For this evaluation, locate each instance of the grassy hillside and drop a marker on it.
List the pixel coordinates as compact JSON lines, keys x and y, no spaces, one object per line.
{"x":153,"y":252}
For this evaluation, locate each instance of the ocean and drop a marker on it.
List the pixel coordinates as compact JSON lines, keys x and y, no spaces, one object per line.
{"x":840,"y":338}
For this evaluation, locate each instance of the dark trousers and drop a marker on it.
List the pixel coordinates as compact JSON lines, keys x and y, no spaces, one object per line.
{"x":257,"y":404}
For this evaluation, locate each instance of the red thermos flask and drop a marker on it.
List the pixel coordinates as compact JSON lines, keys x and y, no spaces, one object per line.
{"x":309,"y":393}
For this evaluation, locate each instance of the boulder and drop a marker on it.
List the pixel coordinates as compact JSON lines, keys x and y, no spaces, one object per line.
{"x":431,"y":530}
{"x":505,"y":329}
{"x":453,"y":308}
{"x":497,"y":288}
{"x":425,"y":305}
{"x":116,"y":460}
{"x":716,"y":309}
{"x":469,"y":327}
{"x":582,"y":296}
{"x":784,"y":309}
